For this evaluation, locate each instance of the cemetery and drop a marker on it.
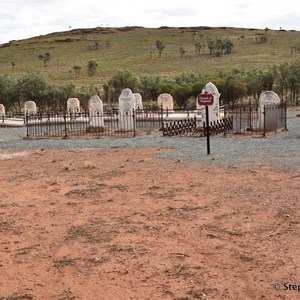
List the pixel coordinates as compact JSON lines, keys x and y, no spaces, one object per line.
{"x":144,"y":215}
{"x":109,"y":193}
{"x":132,"y":117}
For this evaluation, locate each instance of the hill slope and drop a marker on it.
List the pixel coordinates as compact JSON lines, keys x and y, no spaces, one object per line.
{"x":134,"y":49}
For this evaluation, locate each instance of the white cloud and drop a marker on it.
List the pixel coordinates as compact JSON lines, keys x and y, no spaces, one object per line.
{"x":27,"y":18}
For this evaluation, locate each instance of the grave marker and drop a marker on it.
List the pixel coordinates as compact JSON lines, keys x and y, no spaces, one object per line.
{"x":73,"y":105}
{"x":96,"y":112}
{"x":268,"y":100}
{"x":2,"y":110}
{"x":138,"y":101}
{"x":165,"y":101}
{"x":29,"y":108}
{"x":214,"y":109}
{"x":126,"y":110}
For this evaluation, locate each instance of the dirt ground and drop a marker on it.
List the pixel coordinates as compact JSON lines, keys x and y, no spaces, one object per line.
{"x":124,"y":224}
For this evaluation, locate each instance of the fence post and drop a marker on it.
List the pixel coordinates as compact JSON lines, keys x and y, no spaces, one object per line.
{"x":250,"y":124}
{"x":240,"y":118}
{"x":285,"y":121}
{"x":134,"y":119}
{"x":26,"y":123}
{"x":66,"y":129}
{"x":161,"y":114}
{"x":264,"y":114}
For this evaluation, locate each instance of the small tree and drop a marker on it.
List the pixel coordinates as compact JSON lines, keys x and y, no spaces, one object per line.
{"x":198,"y":47}
{"x":160,"y":47}
{"x":77,"y":69}
{"x":92,"y":66}
{"x":45,"y":58}
{"x":182,"y":52}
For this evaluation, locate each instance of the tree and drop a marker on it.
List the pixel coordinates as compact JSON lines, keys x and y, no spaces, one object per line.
{"x":45,"y":58}
{"x":123,"y":79}
{"x":182,"y":52}
{"x":211,"y":46}
{"x":92,"y":66}
{"x":77,"y":69}
{"x":160,"y":47}
{"x":149,"y":87}
{"x":228,"y":45}
{"x":9,"y":91}
{"x":198,"y":47}
{"x":181,"y":94}
{"x":34,"y":87}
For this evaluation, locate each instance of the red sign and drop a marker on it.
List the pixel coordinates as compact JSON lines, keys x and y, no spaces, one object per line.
{"x":205,"y":99}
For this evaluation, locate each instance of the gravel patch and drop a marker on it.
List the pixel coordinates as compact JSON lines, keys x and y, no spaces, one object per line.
{"x":279,"y":150}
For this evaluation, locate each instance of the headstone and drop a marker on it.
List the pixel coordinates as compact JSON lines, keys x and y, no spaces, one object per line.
{"x":2,"y":110}
{"x":73,"y":105}
{"x":213,"y":110}
{"x":138,"y":101}
{"x":96,"y":111}
{"x":29,"y":108}
{"x":166,"y":102}
{"x":126,"y":108}
{"x":268,"y":101}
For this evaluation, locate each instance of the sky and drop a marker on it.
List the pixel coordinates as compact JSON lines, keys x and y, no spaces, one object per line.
{"x":21,"y":19}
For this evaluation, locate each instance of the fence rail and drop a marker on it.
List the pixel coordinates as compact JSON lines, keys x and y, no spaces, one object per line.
{"x":255,"y":120}
{"x":221,"y":126}
{"x":109,"y":123}
{"x":179,"y":127}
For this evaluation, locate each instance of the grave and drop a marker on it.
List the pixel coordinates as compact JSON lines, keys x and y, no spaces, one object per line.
{"x":73,"y":105}
{"x":2,"y":110}
{"x":126,"y":108}
{"x":96,"y":112}
{"x":269,"y":101}
{"x":29,"y":108}
{"x":166,"y":102}
{"x":213,"y":110}
{"x":138,"y":101}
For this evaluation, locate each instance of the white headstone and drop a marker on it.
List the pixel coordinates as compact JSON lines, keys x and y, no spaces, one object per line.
{"x":138,"y":101}
{"x":96,"y":111}
{"x":267,"y":99}
{"x":73,"y":105}
{"x":2,"y":110}
{"x":29,"y":108}
{"x":126,"y":107}
{"x":165,"y":101}
{"x":213,"y":110}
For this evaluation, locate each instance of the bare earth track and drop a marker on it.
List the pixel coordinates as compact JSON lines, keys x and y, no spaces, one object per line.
{"x":124,"y":224}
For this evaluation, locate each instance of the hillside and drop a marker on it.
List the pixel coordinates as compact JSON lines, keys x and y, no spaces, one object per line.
{"x":134,"y":49}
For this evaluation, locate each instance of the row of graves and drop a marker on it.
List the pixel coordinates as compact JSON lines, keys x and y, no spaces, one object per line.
{"x":269,"y":115}
{"x":128,"y":119}
{"x":131,"y":117}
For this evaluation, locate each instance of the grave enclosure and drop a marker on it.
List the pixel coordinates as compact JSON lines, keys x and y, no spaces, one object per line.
{"x":132,"y":116}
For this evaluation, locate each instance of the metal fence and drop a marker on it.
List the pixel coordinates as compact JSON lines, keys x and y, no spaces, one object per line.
{"x":109,"y":123}
{"x":255,"y":120}
{"x":246,"y":120}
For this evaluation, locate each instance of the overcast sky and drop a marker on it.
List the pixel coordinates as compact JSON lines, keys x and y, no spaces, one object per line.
{"x":20,"y":19}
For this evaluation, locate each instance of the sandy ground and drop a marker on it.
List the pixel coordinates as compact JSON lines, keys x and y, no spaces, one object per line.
{"x":123,"y":224}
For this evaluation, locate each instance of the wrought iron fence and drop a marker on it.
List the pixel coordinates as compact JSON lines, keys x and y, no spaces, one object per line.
{"x":247,"y":119}
{"x":255,"y":120}
{"x":109,"y":123}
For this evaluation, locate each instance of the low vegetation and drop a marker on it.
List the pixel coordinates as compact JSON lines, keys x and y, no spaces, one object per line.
{"x":180,"y":61}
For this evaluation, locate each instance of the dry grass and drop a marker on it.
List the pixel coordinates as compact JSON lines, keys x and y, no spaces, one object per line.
{"x":135,"y":50}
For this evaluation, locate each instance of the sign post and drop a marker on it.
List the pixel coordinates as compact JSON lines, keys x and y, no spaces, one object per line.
{"x":206,"y":99}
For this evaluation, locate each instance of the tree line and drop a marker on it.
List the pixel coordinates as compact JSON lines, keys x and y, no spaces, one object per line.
{"x":234,"y":86}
